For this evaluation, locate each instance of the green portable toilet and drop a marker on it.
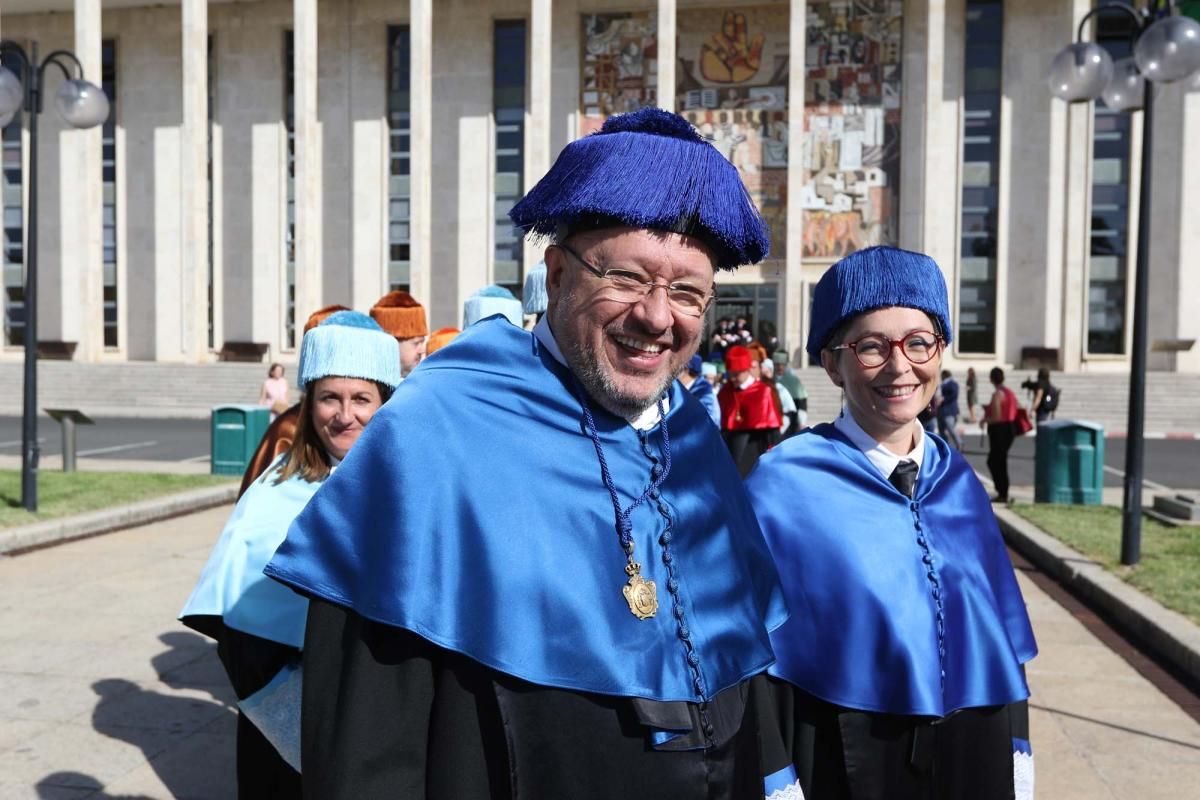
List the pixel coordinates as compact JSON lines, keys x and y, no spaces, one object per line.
{"x":1069,"y":462}
{"x":236,"y":432}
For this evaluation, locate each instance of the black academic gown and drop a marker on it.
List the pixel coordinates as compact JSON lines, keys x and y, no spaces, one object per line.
{"x":388,"y":714}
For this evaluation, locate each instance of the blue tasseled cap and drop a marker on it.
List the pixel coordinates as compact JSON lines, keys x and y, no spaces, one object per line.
{"x":876,"y":277}
{"x":349,"y":344}
{"x":648,"y":169}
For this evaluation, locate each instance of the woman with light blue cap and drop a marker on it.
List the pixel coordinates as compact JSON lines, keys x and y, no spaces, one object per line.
{"x":348,"y":368}
{"x":901,"y":671}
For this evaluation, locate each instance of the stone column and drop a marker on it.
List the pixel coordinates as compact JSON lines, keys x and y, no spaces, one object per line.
{"x":421,"y":150}
{"x":537,"y":128}
{"x":82,"y":200}
{"x":193,"y":171}
{"x":309,"y":294}
{"x":792,"y":307}
{"x":666,"y":54}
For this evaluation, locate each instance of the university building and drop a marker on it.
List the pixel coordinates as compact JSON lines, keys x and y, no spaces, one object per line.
{"x":265,"y":158}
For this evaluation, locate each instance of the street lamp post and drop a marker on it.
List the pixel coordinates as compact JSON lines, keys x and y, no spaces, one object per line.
{"x":81,"y":104}
{"x":1166,"y":48}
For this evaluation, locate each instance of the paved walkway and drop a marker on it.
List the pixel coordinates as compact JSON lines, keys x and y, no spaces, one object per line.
{"x":104,"y":695}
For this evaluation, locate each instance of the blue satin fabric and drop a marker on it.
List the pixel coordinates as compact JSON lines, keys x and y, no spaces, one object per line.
{"x":472,"y":512}
{"x":232,"y":585}
{"x":863,"y":632}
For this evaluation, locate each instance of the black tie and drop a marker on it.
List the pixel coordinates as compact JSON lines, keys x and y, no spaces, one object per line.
{"x":904,"y":477}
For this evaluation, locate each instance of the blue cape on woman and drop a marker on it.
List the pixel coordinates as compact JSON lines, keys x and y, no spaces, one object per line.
{"x":851,"y":549}
{"x":473,"y":513}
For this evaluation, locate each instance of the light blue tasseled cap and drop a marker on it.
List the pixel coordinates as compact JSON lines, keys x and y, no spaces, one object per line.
{"x":349,"y":344}
{"x":533,"y":298}
{"x":489,"y":301}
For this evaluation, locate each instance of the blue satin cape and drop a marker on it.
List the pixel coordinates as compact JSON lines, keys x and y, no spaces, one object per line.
{"x":472,"y":512}
{"x":851,"y":552}
{"x":232,"y":585}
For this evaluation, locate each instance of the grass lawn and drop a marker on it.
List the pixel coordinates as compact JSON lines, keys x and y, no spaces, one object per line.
{"x":1170,"y":567}
{"x":61,"y":493}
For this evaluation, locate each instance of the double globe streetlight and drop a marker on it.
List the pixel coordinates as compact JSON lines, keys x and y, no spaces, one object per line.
{"x":1166,"y":48}
{"x":81,"y":104}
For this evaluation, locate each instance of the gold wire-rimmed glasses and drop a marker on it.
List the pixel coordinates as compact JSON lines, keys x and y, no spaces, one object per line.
{"x":630,"y":287}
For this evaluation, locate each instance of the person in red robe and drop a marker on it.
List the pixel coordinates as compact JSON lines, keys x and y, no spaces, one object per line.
{"x":750,"y":420}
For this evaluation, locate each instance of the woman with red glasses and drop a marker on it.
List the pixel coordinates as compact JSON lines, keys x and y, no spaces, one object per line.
{"x":901,"y":671}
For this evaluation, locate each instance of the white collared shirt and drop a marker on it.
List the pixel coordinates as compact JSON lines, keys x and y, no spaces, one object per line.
{"x":884,"y":460}
{"x":642,"y":422}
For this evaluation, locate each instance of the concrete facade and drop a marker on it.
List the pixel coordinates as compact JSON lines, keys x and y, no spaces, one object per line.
{"x":165,"y":178}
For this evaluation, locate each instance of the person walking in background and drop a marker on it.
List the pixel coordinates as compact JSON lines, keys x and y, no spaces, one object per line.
{"x":1045,"y":397}
{"x":698,"y":386}
{"x":786,"y":377}
{"x":947,"y":411}
{"x":348,"y":369}
{"x":901,"y":670}
{"x":972,"y":394}
{"x":274,"y":391}
{"x":750,"y":419}
{"x":998,"y":417}
{"x":783,"y":399}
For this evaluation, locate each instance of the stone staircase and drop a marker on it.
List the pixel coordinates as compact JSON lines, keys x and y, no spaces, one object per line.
{"x":133,"y":389}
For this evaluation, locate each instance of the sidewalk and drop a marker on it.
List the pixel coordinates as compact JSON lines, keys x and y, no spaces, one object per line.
{"x":103,"y":695}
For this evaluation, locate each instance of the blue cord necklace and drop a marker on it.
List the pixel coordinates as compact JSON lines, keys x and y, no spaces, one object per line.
{"x":640,"y":594}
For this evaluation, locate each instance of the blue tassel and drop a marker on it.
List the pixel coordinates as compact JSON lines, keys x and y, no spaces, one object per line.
{"x":649,"y":169}
{"x":877,"y":277}
{"x":533,"y":298}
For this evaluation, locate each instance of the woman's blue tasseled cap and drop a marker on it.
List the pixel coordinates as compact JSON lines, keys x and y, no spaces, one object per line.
{"x":489,"y":301}
{"x":648,"y":169}
{"x":876,"y":277}
{"x":349,"y":344}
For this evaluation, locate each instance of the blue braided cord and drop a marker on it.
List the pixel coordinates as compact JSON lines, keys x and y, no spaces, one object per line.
{"x":624,"y":526}
{"x":936,"y":591}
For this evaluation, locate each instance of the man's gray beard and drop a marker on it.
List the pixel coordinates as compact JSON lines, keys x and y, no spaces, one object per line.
{"x":586,"y":366}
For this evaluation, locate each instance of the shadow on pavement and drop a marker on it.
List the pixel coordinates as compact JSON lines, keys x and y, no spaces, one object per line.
{"x":1114,"y":726}
{"x":61,"y":785}
{"x":190,"y":662}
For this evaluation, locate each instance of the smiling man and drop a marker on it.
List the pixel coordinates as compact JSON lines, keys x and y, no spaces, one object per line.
{"x":538,"y":575}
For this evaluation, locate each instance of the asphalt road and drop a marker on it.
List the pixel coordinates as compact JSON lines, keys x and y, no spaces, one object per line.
{"x":1171,"y":463}
{"x":149,"y":439}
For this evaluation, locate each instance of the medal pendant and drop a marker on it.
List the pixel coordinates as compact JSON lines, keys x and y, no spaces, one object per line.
{"x":639,"y":592}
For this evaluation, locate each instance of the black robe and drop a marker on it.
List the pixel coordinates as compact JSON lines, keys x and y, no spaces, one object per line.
{"x":389,"y":714}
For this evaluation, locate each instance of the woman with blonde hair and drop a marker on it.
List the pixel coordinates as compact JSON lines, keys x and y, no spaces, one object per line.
{"x":348,"y":368}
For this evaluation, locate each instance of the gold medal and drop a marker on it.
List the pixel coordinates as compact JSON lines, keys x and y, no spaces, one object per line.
{"x":639,"y":592}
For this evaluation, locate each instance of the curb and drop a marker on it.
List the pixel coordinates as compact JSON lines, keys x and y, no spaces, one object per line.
{"x":54,"y":531}
{"x":1166,"y":634}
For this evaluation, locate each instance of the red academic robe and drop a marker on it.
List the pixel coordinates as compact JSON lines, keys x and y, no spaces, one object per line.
{"x":750,"y":422}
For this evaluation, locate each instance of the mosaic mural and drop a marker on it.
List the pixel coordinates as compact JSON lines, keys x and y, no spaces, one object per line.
{"x":620,"y":66}
{"x":731,"y":83}
{"x":851,"y":158}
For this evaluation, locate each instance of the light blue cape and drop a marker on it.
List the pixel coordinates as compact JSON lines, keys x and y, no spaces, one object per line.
{"x":472,"y":512}
{"x":864,"y":632}
{"x":232,"y":585}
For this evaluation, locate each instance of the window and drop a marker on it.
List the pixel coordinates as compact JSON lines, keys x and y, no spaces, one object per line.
{"x":399,"y":129}
{"x":12,"y":206}
{"x":980,"y":177}
{"x":1108,"y":229}
{"x":508,"y":105}
{"x":108,"y":162}
{"x":289,"y":228}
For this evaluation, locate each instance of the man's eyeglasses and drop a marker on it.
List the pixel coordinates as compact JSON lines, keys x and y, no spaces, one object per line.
{"x":630,"y":287}
{"x":874,"y":350}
